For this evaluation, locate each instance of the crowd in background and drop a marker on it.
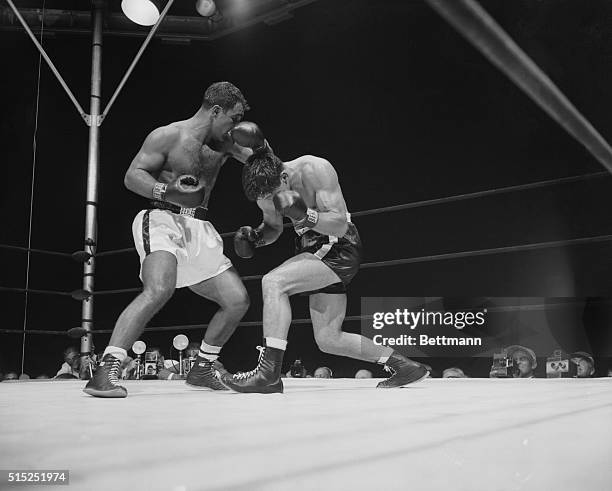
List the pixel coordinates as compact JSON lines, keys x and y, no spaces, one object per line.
{"x":513,"y":362}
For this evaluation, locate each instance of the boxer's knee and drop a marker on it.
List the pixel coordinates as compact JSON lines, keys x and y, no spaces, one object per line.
{"x":238,"y":302}
{"x":328,"y":341}
{"x":158,"y":293}
{"x":273,"y":285}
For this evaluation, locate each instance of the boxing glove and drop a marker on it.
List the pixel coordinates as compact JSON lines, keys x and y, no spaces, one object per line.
{"x":186,"y":191}
{"x":247,"y":134}
{"x":246,"y":240}
{"x":290,"y":204}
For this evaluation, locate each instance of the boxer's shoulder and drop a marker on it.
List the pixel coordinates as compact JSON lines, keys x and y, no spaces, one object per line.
{"x":165,"y":136}
{"x":314,"y":169}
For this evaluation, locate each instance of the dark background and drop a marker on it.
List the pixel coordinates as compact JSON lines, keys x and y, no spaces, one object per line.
{"x":402,"y":106}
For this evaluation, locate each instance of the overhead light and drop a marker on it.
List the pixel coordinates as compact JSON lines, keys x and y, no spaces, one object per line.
{"x":206,"y":8}
{"x":142,"y":12}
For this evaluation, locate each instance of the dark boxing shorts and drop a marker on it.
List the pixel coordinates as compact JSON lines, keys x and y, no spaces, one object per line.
{"x":343,"y":255}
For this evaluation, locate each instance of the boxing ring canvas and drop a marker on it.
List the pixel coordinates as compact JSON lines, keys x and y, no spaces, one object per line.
{"x":459,"y":434}
{"x":342,"y":434}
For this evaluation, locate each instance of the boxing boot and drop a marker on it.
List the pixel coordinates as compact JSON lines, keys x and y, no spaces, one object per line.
{"x":104,"y":382}
{"x":403,"y":372}
{"x":204,"y":374}
{"x":264,"y":379}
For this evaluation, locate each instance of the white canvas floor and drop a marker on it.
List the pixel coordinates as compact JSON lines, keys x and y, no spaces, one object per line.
{"x":440,"y":434}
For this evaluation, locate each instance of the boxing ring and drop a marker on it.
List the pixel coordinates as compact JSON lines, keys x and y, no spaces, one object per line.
{"x":460,"y":434}
{"x":467,"y":434}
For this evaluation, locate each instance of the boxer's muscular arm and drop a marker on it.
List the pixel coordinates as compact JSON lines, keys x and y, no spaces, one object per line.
{"x":272,"y":224}
{"x":149,"y":161}
{"x":320,"y":176}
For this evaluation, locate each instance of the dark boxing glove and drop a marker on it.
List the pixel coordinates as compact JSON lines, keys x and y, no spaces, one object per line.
{"x":290,"y":204}
{"x":247,"y":134}
{"x":246,"y":240}
{"x":186,"y":191}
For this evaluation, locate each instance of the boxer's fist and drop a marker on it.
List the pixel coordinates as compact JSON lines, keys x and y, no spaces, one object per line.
{"x":247,"y":134}
{"x":290,"y":204}
{"x":245,"y":241}
{"x":186,"y":191}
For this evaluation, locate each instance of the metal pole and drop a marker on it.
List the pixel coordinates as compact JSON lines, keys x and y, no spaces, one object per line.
{"x":93,"y":158}
{"x":47,"y":59}
{"x":136,"y":58}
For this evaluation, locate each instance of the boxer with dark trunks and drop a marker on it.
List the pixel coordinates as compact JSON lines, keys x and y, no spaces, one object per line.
{"x":177,"y":167}
{"x":327,"y":257}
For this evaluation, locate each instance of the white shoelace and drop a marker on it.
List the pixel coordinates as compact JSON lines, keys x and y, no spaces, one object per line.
{"x":243,"y":375}
{"x":114,"y":371}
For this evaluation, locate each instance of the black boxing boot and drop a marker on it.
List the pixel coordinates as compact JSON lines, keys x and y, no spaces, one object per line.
{"x":204,"y":374}
{"x":403,"y":372}
{"x":264,"y":379}
{"x":104,"y":382}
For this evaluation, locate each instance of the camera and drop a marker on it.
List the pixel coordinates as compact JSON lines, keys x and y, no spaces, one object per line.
{"x":151,"y":365}
{"x":188,"y":364}
{"x":503,"y":365}
{"x":558,"y":365}
{"x":297,"y":369}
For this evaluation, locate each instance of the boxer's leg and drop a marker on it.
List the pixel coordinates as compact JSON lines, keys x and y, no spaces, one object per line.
{"x":228,"y":291}
{"x":301,"y":273}
{"x":327,"y":312}
{"x":159,"y":282}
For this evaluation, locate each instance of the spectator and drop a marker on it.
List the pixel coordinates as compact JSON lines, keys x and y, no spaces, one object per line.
{"x":43,"y":376}
{"x":585,"y":364}
{"x":323,"y":372}
{"x":11,"y":376}
{"x":363,"y":374}
{"x":297,"y":370}
{"x":453,"y":372}
{"x":524,"y":361}
{"x":127,"y":368}
{"x":71,"y":365}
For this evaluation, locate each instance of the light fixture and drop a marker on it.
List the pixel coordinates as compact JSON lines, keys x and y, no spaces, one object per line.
{"x":142,"y":12}
{"x":139,"y":347}
{"x":206,"y":8}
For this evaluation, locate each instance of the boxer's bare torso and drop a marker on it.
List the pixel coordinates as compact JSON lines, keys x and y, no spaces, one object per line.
{"x":185,"y":147}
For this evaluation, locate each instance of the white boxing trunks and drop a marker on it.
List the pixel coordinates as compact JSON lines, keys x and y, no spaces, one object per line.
{"x":196,"y":244}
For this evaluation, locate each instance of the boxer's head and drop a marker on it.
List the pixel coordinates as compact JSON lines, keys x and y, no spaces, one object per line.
{"x":226,"y":106}
{"x":263,"y":175}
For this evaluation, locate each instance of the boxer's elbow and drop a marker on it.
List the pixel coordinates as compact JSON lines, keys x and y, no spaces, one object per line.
{"x":130,"y":180}
{"x":343,"y":229}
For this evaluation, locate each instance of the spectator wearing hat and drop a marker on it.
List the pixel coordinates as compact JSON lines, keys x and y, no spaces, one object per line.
{"x":524,"y":361}
{"x":453,"y":372}
{"x":585,"y":364}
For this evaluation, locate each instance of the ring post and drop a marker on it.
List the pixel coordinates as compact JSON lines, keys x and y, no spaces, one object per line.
{"x":93,"y":164}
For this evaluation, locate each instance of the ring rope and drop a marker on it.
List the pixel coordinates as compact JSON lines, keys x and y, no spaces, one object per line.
{"x":438,"y":201}
{"x":488,"y":37}
{"x":409,"y":260}
{"x":348,"y":318}
{"x":386,"y":209}
{"x":32,"y":182}
{"x":28,"y":249}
